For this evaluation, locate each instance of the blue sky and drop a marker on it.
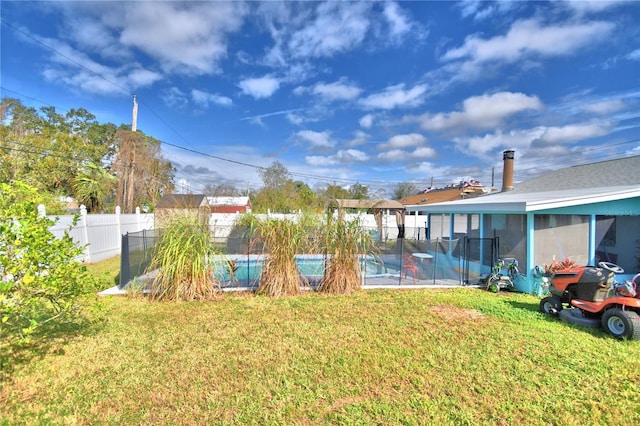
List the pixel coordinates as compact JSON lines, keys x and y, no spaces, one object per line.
{"x":341,"y":92}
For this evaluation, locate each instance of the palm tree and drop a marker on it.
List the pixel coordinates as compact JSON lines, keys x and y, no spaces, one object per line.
{"x":93,"y":185}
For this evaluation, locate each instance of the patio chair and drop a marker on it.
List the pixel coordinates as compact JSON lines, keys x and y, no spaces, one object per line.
{"x":408,"y":265}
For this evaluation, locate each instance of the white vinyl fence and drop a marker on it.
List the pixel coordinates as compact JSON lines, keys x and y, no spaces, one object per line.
{"x":100,"y":234}
{"x":221,"y":224}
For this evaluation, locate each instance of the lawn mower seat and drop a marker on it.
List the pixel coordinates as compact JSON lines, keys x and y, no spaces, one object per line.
{"x":594,"y":284}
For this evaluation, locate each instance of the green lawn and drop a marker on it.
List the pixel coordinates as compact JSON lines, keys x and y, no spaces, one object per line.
{"x":461,"y":356}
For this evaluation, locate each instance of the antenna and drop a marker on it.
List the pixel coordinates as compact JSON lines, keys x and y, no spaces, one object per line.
{"x":134,"y":119}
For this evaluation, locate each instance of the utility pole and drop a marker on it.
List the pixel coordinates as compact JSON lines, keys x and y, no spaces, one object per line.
{"x":134,"y":119}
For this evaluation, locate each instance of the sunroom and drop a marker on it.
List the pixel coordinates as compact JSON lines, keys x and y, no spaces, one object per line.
{"x":586,"y":225}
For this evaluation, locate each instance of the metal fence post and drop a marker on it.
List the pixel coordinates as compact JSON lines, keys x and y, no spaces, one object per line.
{"x":125,"y":269}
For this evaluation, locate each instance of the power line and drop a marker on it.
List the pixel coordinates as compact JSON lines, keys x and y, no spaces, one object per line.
{"x":195,"y":151}
{"x":124,"y":90}
{"x":328,"y":179}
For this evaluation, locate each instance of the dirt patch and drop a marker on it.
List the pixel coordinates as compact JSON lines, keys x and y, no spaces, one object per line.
{"x":453,"y":313}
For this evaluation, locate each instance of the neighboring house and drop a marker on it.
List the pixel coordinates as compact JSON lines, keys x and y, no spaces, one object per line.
{"x":179,"y":204}
{"x":450,"y":193}
{"x":588,"y":213}
{"x":229,"y":204}
{"x":462,"y":191}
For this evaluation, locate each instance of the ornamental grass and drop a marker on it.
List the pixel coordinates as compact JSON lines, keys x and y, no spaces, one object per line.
{"x":345,"y":243}
{"x":281,"y":240}
{"x":181,"y":258}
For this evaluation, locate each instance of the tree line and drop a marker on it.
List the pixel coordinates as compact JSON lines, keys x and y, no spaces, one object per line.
{"x":73,"y":155}
{"x":281,"y":193}
{"x":102,"y":165}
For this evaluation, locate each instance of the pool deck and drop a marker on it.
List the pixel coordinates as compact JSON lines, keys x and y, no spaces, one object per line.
{"x":375,"y":283}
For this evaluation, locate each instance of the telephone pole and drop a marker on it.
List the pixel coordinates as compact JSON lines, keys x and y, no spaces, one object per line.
{"x":134,"y":119}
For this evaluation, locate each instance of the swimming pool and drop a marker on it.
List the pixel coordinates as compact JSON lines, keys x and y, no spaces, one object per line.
{"x":247,"y":268}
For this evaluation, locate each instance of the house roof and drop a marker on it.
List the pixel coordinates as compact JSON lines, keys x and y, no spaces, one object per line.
{"x":620,"y":172}
{"x":441,"y":195}
{"x":366,"y":204}
{"x":573,"y":186}
{"x":182,"y":201}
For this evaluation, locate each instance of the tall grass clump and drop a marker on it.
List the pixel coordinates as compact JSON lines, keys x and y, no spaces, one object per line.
{"x":344,"y":242}
{"x":281,"y":240}
{"x":181,"y":257}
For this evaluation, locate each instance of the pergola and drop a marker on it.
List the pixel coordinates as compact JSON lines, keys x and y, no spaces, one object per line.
{"x":377,"y":207}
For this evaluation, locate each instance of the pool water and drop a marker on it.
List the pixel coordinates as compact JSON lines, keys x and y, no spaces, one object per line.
{"x":249,"y":268}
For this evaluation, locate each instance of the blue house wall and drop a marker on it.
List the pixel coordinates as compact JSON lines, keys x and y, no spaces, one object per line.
{"x":529,"y":283}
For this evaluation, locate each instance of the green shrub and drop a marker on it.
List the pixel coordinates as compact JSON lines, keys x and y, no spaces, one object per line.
{"x":39,"y":276}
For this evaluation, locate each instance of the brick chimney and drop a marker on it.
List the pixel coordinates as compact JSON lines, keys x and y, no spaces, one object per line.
{"x":507,"y":172}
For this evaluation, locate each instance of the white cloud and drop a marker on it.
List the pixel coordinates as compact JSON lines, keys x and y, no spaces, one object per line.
{"x":305,"y":30}
{"x":315,"y":139}
{"x":183,"y":37}
{"x":360,"y":138}
{"x":395,"y":149}
{"x":588,"y":6}
{"x":296,"y":119}
{"x":481,"y":10}
{"x":320,"y":160}
{"x":426,"y":168}
{"x":261,"y":87}
{"x":529,"y":37}
{"x":366,"y":121}
{"x":484,"y":111}
{"x":338,"y":27}
{"x":91,"y":35}
{"x":204,"y":99}
{"x":71,"y":68}
{"x":404,"y":141}
{"x":540,"y":141}
{"x":570,"y":133}
{"x":634,"y":56}
{"x":139,"y":77}
{"x":480,"y":146}
{"x":395,"y":97}
{"x":526,"y":39}
{"x":352,"y":155}
{"x":393,"y":155}
{"x":424,"y":152}
{"x":401,"y":155}
{"x":201,"y":169}
{"x":398,"y":22}
{"x":347,"y":156}
{"x":336,"y":91}
{"x":606,"y":107}
{"x":174,"y":97}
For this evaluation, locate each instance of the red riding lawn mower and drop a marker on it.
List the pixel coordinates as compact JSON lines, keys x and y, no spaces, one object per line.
{"x":590,"y":296}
